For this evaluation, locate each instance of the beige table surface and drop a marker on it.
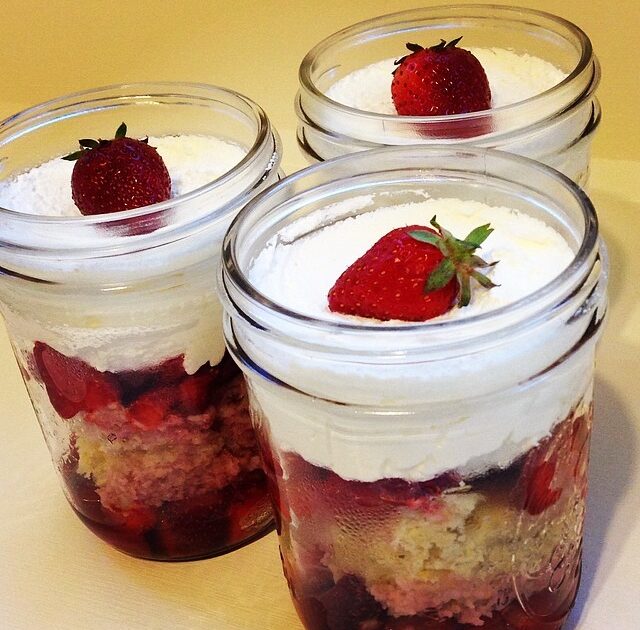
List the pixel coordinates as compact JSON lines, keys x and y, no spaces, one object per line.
{"x":53,"y":572}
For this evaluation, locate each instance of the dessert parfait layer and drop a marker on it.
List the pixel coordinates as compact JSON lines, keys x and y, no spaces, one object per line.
{"x":497,"y":550}
{"x":541,"y":71}
{"x":428,"y":473}
{"x":115,"y":319}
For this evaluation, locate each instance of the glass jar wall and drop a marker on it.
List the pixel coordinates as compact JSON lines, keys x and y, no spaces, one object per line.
{"x":116,"y":323}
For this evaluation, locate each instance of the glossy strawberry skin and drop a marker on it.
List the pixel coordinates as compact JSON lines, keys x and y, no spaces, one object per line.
{"x":438,"y":81}
{"x":387,"y":282}
{"x":73,"y":385}
{"x":117,"y":175}
{"x":540,"y":493}
{"x":149,"y":410}
{"x":557,"y":466}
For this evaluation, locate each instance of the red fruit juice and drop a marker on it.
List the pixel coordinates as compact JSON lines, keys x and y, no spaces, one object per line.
{"x":161,"y":464}
{"x":499,"y":551}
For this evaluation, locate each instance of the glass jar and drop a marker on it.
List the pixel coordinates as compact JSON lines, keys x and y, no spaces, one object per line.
{"x":116,"y":323}
{"x":555,"y":127}
{"x":424,"y":475}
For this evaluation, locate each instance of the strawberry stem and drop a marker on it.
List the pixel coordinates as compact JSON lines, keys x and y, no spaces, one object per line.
{"x":414,"y":48}
{"x":86,"y":144}
{"x":459,"y":259}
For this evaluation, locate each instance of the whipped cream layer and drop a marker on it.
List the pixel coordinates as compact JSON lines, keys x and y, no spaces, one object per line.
{"x":299,"y":273}
{"x":422,"y":412}
{"x":135,"y":327}
{"x":512,"y":78}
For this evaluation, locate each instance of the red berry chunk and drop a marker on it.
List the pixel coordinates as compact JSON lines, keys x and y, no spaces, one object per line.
{"x":349,"y":605}
{"x":72,"y":384}
{"x":247,"y":515}
{"x":539,"y":492}
{"x":311,"y":488}
{"x":134,"y":383}
{"x":135,"y":520}
{"x":194,"y":392}
{"x":149,"y":411}
{"x":187,"y":527}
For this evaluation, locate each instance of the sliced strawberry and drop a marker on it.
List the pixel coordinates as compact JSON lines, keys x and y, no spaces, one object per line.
{"x":412,"y":273}
{"x":310,"y":488}
{"x":190,"y":528}
{"x":557,"y":466}
{"x":385,"y":493}
{"x":72,"y":384}
{"x":62,"y":377}
{"x":194,"y":392}
{"x":249,"y":516}
{"x":306,"y":488}
{"x":102,"y":390}
{"x":134,"y":383}
{"x":168,"y":372}
{"x":149,"y":411}
{"x":135,"y":520}
{"x":422,"y":496}
{"x":540,"y":494}
{"x":274,"y":474}
{"x":349,"y":605}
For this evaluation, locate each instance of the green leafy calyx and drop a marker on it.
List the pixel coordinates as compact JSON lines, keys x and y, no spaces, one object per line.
{"x":88,"y":144}
{"x":459,"y":259}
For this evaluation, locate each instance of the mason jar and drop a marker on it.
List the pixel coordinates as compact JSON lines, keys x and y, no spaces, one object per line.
{"x":555,"y":126}
{"x":430,"y":474}
{"x":116,"y":324}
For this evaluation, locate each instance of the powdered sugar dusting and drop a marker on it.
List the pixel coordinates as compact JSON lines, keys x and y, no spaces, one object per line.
{"x":176,"y":323}
{"x":192,"y":162}
{"x":530,"y":252}
{"x":512,"y":78}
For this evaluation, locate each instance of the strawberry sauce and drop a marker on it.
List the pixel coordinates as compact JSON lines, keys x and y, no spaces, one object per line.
{"x":160,"y":464}
{"x":500,"y":551}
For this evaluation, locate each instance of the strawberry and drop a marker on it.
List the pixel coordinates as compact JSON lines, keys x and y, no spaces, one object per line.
{"x":249,"y":516}
{"x":412,"y":273}
{"x":119,"y":174}
{"x":73,"y":385}
{"x":134,"y":383}
{"x":557,"y":466}
{"x":349,"y":605}
{"x":195,"y":391}
{"x":191,"y":527}
{"x":148,"y":412}
{"x":440,"y":80}
{"x":135,"y":520}
{"x":540,"y":494}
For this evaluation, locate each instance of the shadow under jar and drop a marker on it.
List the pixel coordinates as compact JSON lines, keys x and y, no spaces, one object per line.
{"x":424,"y":475}
{"x":116,"y":323}
{"x":554,"y":126}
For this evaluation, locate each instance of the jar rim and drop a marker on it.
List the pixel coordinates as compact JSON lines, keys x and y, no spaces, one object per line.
{"x":255,"y":305}
{"x":263,"y":155}
{"x":522,"y":14}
